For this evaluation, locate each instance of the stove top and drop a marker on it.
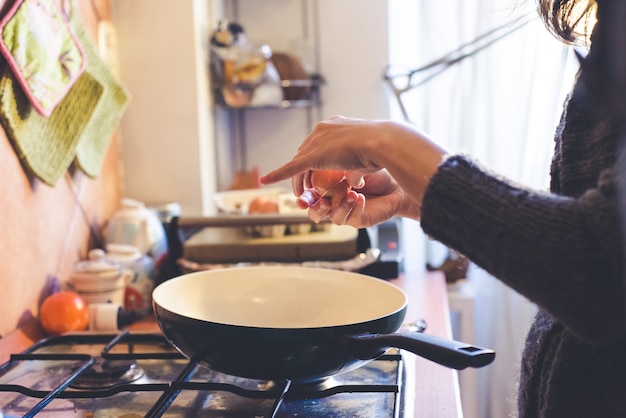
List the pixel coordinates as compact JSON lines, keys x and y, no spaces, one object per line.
{"x":130,"y":375}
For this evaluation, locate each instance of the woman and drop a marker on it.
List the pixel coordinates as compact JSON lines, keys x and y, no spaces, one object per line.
{"x":563,"y":250}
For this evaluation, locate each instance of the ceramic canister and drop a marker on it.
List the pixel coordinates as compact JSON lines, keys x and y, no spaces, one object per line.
{"x":99,"y":280}
{"x":138,"y":292}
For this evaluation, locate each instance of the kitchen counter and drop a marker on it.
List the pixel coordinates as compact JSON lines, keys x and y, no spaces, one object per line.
{"x":434,"y":393}
{"x":436,"y":388}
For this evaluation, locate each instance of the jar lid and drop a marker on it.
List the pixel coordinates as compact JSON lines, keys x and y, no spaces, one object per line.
{"x":97,"y":264}
{"x":123,"y":253}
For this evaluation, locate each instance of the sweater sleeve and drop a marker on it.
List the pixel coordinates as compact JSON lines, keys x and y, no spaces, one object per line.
{"x":564,"y":254}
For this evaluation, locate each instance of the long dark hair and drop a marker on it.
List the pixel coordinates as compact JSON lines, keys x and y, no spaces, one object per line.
{"x":569,"y":20}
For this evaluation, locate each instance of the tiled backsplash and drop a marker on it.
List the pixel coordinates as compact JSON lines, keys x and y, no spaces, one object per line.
{"x":44,"y":230}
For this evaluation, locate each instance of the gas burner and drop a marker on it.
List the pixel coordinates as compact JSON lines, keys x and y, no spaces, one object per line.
{"x":105,"y":373}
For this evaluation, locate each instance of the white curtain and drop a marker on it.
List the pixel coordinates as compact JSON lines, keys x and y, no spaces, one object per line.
{"x":502,"y":106}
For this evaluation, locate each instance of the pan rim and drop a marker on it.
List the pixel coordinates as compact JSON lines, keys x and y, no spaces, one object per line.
{"x":248,"y":328}
{"x":162,"y":295}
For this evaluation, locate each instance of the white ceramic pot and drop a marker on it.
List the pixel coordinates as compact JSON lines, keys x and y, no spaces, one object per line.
{"x":135,"y":224}
{"x":138,"y":294}
{"x":100,"y":280}
{"x":114,"y":296}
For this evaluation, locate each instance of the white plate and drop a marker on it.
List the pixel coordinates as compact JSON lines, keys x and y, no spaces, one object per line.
{"x":235,"y":202}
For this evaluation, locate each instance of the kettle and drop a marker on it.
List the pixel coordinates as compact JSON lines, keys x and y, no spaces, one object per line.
{"x":135,"y":224}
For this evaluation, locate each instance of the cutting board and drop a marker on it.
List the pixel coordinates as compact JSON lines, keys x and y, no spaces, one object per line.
{"x":235,"y":244}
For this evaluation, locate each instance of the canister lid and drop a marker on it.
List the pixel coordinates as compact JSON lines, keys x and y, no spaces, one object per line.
{"x":97,"y":264}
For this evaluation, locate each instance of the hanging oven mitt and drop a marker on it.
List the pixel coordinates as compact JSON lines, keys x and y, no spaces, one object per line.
{"x":47,"y":145}
{"x":96,"y":138}
{"x":42,"y":51}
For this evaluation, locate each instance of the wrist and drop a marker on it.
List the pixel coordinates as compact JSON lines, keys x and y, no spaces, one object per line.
{"x":410,"y":208}
{"x":410,"y":157}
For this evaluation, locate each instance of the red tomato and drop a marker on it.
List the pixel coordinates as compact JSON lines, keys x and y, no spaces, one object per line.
{"x":64,"y":312}
{"x":263,"y":204}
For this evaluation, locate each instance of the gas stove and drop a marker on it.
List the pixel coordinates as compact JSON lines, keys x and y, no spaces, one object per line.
{"x":139,"y":374}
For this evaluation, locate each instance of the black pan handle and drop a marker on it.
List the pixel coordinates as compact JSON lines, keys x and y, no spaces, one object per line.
{"x":449,"y":353}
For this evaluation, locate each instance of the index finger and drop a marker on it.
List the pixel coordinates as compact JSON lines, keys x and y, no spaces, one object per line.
{"x":286,"y":171}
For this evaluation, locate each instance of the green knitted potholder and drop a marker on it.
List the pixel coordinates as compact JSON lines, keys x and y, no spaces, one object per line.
{"x":47,"y":145}
{"x":96,"y":138}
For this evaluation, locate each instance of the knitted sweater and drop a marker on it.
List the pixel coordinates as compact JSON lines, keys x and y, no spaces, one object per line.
{"x":563,"y":250}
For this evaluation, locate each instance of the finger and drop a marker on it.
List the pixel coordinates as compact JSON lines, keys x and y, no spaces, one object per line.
{"x":306,"y":179}
{"x":319,"y":210}
{"x":281,"y":173}
{"x":299,"y":183}
{"x":307,"y":199}
{"x":357,"y":215}
{"x":341,"y":210}
{"x":355,"y":179}
{"x":298,"y":165}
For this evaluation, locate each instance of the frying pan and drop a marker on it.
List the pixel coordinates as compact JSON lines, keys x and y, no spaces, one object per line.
{"x":301,"y":324}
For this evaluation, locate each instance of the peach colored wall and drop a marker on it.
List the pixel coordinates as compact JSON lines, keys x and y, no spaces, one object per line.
{"x":43,"y":229}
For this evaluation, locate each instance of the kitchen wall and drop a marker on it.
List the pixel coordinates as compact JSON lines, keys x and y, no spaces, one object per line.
{"x":167,"y":147}
{"x":45,"y":229}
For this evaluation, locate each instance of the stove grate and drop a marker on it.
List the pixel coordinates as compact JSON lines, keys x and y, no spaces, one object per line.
{"x":279,"y":392}
{"x":288,"y":391}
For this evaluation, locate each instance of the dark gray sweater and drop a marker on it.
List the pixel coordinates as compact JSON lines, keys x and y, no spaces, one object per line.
{"x":563,"y":250}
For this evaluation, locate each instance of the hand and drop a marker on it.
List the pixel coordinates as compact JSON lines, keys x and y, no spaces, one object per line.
{"x":387,"y":164}
{"x":379,"y":199}
{"x":337,"y":143}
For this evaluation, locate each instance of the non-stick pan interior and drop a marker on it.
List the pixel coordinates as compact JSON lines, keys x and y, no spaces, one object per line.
{"x":280,"y":297}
